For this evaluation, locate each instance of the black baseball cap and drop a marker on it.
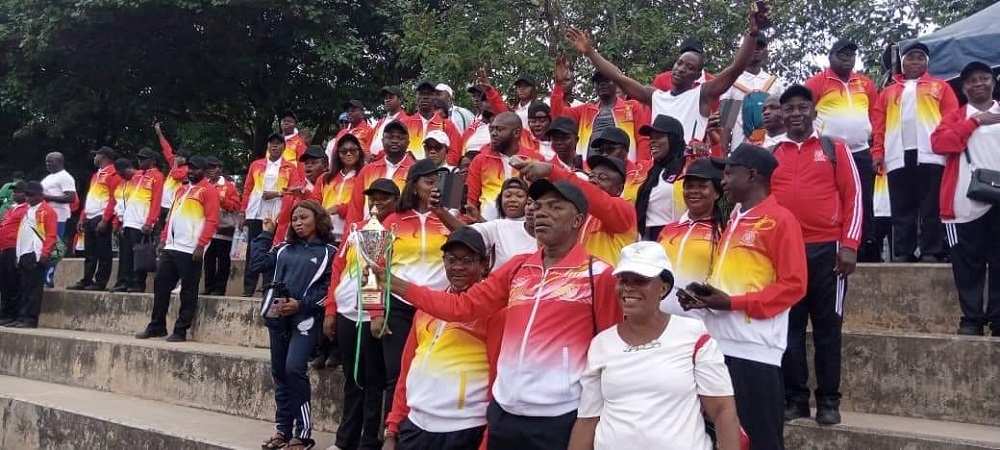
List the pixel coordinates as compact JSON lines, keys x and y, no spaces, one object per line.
{"x":105,"y":151}
{"x":313,"y":152}
{"x":751,"y":157}
{"x":692,"y":45}
{"x":564,"y":125}
{"x":565,"y":189}
{"x":515,"y":182}
{"x":538,"y":106}
{"x":20,"y":186}
{"x":703,"y":168}
{"x":422,"y":168}
{"x":597,"y":76}
{"x":275,"y":137}
{"x":391,"y":90}
{"x":383,"y":185}
{"x":123,"y":163}
{"x":426,"y":85}
{"x":795,"y":90}
{"x":475,"y":89}
{"x":148,"y":153}
{"x":664,"y":124}
{"x":612,"y":135}
{"x":526,"y":78}
{"x":468,"y":237}
{"x":973,"y":67}
{"x":213,"y":161}
{"x":916,"y":46}
{"x":198,"y":162}
{"x":843,"y":44}
{"x":35,"y":187}
{"x":354,"y":104}
{"x":608,"y":161}
{"x":289,"y":113}
{"x":397,"y":125}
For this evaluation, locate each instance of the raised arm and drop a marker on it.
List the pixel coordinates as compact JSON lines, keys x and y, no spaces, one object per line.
{"x":631,"y":87}
{"x":714,"y":88}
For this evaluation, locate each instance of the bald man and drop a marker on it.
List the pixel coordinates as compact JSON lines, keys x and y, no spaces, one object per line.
{"x":59,"y":190}
{"x":489,"y":170}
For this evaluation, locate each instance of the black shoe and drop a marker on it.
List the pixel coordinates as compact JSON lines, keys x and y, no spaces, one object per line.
{"x":246,"y":295}
{"x":78,"y":287}
{"x":794,"y":410}
{"x":934,"y":259}
{"x":146,"y":334}
{"x":218,"y":293}
{"x":904,"y":259}
{"x":318,"y":363}
{"x":6,"y":320}
{"x":11,"y":324}
{"x":335,"y":361}
{"x":119,"y":289}
{"x":23,"y":325}
{"x":205,"y":293}
{"x":95,"y":288}
{"x":177,"y":337}
{"x":827,"y":414}
{"x":970,"y":330}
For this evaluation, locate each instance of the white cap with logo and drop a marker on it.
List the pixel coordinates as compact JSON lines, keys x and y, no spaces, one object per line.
{"x":645,"y":258}
{"x":445,"y":88}
{"x":438,"y":136}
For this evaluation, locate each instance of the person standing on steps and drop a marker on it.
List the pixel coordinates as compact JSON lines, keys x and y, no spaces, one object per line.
{"x":218,"y":262}
{"x":293,"y":312}
{"x":9,"y":226}
{"x":136,"y":213}
{"x":817,"y":181}
{"x":176,"y":177}
{"x":60,"y":193}
{"x":36,"y":238}
{"x":392,"y":99}
{"x":190,"y":225}
{"x":95,"y":223}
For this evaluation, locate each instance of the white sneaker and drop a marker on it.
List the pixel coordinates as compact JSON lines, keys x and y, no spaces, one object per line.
{"x":177,"y":290}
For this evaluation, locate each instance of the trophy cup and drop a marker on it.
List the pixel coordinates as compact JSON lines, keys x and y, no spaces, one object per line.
{"x":374,"y":244}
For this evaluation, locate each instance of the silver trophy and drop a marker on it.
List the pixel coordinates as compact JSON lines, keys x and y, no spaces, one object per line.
{"x":374,"y":244}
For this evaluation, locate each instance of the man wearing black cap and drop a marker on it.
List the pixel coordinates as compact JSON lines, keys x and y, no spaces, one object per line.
{"x":688,"y":103}
{"x":608,"y":111}
{"x":36,"y":238}
{"x":426,"y":120}
{"x":137,"y":199}
{"x":752,"y":89}
{"x":844,"y":102}
{"x":392,"y":98}
{"x":613,"y":142}
{"x":265,"y":194}
{"x":563,"y":136}
{"x":828,"y":208}
{"x":10,"y":225}
{"x":217,"y":257}
{"x":525,"y":93}
{"x":902,"y":149}
{"x":295,"y":144}
{"x":466,"y":262}
{"x":394,"y":166}
{"x":969,"y":139}
{"x":189,"y":229}
{"x":556,"y":300}
{"x":357,"y":126}
{"x":95,"y":223}
{"x":756,"y":278}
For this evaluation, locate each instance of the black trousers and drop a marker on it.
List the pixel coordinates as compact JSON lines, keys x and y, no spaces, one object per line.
{"x":174,"y":266}
{"x":869,"y":250}
{"x":97,"y":248}
{"x":128,"y":277}
{"x":975,"y":255}
{"x":824,"y":306}
{"x":913,"y":195}
{"x":361,"y":413}
{"x":759,"y":402}
{"x":399,"y":322}
{"x":158,"y":228}
{"x":32,"y":280}
{"x":411,"y":437}
{"x":512,"y":432}
{"x":250,"y":279}
{"x":217,"y":266}
{"x":290,"y":350}
{"x":9,"y":284}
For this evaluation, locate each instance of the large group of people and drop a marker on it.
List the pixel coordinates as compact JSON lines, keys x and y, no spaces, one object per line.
{"x":636,"y":271}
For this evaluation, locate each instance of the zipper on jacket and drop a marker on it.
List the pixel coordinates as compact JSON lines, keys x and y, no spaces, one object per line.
{"x":430,"y":347}
{"x":531,"y":321}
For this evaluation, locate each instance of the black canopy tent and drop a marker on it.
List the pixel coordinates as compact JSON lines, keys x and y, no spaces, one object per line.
{"x":974,"y":38}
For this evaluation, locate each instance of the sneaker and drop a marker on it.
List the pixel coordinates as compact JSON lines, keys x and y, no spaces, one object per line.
{"x":119,"y":289}
{"x":11,"y":324}
{"x":7,"y":320}
{"x":177,"y":289}
{"x":827,"y":415}
{"x":970,"y":330}
{"x":146,"y":334}
{"x":795,"y":410}
{"x":176,"y":337}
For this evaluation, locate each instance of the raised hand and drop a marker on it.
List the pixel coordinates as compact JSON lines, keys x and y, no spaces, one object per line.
{"x":482,"y":77}
{"x":562,"y":69}
{"x":579,"y":40}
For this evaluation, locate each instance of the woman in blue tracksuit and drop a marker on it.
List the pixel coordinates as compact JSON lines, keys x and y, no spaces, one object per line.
{"x":293,"y":311}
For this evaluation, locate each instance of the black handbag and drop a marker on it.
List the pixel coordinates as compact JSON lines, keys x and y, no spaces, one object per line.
{"x":145,"y":255}
{"x":984,"y":185}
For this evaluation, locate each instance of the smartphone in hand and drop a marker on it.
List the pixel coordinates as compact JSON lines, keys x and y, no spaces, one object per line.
{"x":762,"y":16}
{"x":699,"y":289}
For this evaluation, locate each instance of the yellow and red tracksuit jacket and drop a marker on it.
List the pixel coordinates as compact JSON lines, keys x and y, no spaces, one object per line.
{"x":489,"y":170}
{"x":611,"y":222}
{"x":175,"y":179}
{"x":193,"y":218}
{"x":46,"y":227}
{"x":629,"y":116}
{"x":137,"y":201}
{"x":289,"y":175}
{"x":416,"y":252}
{"x":690,"y":247}
{"x":100,"y":195}
{"x":358,"y":209}
{"x":845,"y":110}
{"x":415,"y":130}
{"x":934,"y":100}
{"x":295,"y":146}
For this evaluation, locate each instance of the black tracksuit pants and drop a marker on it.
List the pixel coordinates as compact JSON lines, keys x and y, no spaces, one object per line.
{"x":128,"y":277}
{"x":975,"y":257}
{"x":174,"y":266}
{"x":292,"y":341}
{"x":400,"y":320}
{"x":869,"y":250}
{"x":218,"y":265}
{"x":913,"y":195}
{"x":97,"y":248}
{"x":411,"y":437}
{"x":362,"y":409}
{"x":250,"y":278}
{"x":824,"y":306}
{"x":759,"y":402}
{"x":513,"y":432}
{"x":32,"y":280}
{"x":9,"y":284}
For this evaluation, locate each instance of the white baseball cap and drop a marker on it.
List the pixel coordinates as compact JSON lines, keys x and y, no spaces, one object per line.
{"x":444,"y":87}
{"x":438,"y":136}
{"x":645,"y":258}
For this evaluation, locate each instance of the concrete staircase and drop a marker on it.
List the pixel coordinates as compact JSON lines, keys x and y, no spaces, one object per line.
{"x":82,"y":381}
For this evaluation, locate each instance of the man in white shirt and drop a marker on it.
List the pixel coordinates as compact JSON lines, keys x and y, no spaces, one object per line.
{"x":752,"y":89}
{"x":459,"y":116}
{"x":59,"y":189}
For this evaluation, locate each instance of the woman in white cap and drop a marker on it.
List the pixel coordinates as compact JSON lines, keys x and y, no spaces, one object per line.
{"x":653,"y":380}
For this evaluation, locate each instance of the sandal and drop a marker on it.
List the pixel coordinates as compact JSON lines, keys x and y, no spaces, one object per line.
{"x":277,"y":441}
{"x":301,"y":444}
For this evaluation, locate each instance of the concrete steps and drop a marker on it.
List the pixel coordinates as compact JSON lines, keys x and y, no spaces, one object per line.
{"x":225,"y":379}
{"x":51,"y":416}
{"x":860,"y":431}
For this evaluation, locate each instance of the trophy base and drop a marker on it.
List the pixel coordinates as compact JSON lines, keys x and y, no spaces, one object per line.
{"x":372,"y":300}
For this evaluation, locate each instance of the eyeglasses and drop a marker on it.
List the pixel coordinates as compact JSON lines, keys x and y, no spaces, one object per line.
{"x":433,"y":148}
{"x":450,"y":260}
{"x":603,"y":176}
{"x":348,"y":151}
